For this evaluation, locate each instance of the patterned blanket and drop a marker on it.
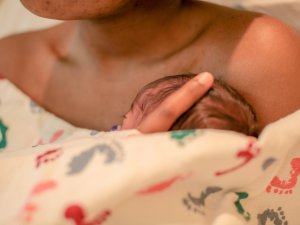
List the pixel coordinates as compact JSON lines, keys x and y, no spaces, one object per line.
{"x":54,"y":173}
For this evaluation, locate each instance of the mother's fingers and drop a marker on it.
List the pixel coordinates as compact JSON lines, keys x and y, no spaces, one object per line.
{"x":162,"y":118}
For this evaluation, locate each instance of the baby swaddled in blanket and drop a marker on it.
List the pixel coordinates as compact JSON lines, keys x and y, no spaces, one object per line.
{"x":220,"y":108}
{"x":208,"y":177}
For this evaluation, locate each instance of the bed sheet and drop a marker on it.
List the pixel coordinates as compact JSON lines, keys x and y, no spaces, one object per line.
{"x":54,"y":173}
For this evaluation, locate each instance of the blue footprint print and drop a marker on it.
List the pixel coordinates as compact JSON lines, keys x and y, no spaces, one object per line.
{"x":276,"y":217}
{"x":112,"y":152}
{"x":197,"y":203}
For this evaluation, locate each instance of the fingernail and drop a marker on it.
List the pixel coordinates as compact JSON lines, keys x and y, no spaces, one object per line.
{"x":205,"y":78}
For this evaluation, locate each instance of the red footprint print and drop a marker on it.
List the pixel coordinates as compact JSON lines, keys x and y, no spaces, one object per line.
{"x":30,"y":207}
{"x":161,"y":186}
{"x":281,"y":186}
{"x":48,"y":156}
{"x":77,"y":214}
{"x":53,"y":138}
{"x":247,"y":154}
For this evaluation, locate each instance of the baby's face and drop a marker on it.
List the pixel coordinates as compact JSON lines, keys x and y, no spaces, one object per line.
{"x":132,"y":118}
{"x":147,"y":100}
{"x":141,"y":107}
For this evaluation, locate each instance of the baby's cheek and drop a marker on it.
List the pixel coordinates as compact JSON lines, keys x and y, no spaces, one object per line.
{"x":127,"y":122}
{"x":125,"y":125}
{"x":132,"y":120}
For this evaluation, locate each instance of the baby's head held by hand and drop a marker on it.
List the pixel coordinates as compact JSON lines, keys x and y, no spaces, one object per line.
{"x":221,"y":107}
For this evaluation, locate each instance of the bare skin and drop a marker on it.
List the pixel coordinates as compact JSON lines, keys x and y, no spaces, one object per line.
{"x":88,"y":71}
{"x":167,"y":112}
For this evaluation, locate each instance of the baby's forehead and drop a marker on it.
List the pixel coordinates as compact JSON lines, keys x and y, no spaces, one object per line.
{"x":156,"y":90}
{"x":151,"y":95}
{"x":153,"y":90}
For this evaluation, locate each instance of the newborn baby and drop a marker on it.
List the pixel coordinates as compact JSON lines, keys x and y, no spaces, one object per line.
{"x":221,"y":107}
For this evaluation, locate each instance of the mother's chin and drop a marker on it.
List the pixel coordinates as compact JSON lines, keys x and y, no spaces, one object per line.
{"x":75,"y":10}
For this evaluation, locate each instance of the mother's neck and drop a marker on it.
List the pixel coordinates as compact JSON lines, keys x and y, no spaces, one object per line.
{"x":141,"y":31}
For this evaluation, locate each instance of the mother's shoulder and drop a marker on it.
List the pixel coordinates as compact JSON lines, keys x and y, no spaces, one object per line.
{"x":25,"y":58}
{"x":265,"y":66}
{"x":23,"y":49}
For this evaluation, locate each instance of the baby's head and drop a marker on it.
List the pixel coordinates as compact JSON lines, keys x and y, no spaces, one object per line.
{"x":221,"y":107}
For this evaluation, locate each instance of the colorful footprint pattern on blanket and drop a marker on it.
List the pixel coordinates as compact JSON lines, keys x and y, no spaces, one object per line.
{"x":282,"y":186}
{"x":112,"y":152}
{"x":3,"y":130}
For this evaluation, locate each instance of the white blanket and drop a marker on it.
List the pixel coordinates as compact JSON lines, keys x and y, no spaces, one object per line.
{"x":82,"y":177}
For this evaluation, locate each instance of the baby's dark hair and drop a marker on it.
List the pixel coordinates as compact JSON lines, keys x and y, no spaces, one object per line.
{"x":222,"y":107}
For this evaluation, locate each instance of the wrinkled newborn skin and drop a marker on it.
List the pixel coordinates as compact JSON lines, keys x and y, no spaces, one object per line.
{"x":221,"y":108}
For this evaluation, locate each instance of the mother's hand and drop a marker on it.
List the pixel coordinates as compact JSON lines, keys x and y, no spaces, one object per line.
{"x":162,"y":118}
